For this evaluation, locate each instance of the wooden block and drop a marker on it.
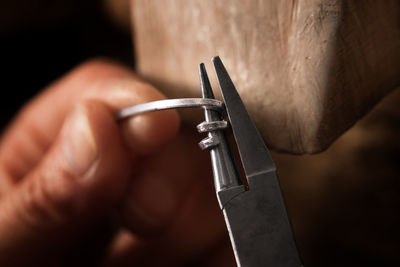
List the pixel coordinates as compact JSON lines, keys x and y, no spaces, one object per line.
{"x":307,"y":70}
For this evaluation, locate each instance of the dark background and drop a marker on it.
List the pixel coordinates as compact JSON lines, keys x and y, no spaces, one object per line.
{"x":41,"y":40}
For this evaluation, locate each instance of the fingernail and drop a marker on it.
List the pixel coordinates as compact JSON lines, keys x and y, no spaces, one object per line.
{"x":153,"y":200}
{"x":79,"y":144}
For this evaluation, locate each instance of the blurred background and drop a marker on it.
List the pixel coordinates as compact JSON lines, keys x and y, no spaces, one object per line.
{"x":344,"y":203}
{"x":41,"y":40}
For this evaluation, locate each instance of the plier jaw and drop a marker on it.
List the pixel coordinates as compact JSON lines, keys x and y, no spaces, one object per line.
{"x":256,"y":215}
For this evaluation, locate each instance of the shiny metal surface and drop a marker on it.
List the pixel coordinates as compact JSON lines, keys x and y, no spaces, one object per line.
{"x":209,"y":142}
{"x":253,"y":152}
{"x":206,"y":126}
{"x":256,"y":217}
{"x":223,"y":164}
{"x":169,"y":104}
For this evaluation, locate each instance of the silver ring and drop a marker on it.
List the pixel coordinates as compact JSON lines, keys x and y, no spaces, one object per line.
{"x":210,"y":126}
{"x":209,"y":142}
{"x":170,"y":104}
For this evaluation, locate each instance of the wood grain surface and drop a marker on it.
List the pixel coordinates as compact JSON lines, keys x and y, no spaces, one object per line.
{"x":307,"y":70}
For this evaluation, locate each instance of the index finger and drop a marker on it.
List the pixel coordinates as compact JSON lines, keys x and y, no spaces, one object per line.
{"x":37,"y":125}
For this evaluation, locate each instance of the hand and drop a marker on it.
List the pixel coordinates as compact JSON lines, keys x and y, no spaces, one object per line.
{"x":79,"y":188}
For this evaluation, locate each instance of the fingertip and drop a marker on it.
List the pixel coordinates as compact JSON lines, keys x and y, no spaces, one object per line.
{"x":145,"y":133}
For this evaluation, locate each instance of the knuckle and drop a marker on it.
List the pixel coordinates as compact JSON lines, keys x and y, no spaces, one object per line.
{"x":45,"y":203}
{"x":100,"y":69}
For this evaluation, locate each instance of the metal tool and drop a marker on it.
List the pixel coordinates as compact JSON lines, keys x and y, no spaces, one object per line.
{"x":255,"y":213}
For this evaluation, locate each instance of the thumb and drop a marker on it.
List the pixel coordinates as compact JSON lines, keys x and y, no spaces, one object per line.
{"x":80,"y":179}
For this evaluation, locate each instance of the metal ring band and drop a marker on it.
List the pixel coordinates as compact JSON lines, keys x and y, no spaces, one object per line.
{"x":209,"y":126}
{"x":209,"y":142}
{"x":170,"y":104}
